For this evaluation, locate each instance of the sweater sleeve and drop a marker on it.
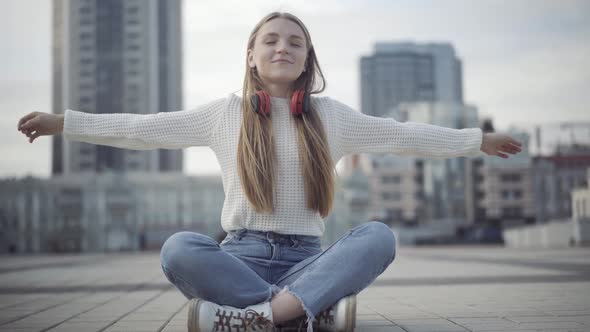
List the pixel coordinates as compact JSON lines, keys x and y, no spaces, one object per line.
{"x":165,"y":130}
{"x":361,"y":133}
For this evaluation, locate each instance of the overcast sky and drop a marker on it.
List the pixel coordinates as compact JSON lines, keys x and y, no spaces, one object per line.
{"x":524,"y":62}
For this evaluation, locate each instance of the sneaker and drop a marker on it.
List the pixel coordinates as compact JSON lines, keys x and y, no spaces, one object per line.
{"x":341,"y":317}
{"x":205,"y":316}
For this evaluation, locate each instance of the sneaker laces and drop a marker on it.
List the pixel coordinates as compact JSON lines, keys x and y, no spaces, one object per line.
{"x":232,"y":322}
{"x":327,"y":315}
{"x":258,"y":320}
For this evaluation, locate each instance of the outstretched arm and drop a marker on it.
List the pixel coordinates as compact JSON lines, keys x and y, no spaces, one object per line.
{"x":361,"y":133}
{"x":169,"y":130}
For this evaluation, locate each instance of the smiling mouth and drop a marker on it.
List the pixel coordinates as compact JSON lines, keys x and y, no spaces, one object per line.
{"x":282,"y":61}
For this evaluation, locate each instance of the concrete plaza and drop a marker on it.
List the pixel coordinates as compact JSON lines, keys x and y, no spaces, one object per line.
{"x":439,"y":289}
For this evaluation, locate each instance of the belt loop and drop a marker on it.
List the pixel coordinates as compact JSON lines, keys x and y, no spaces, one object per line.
{"x":240,"y":233}
{"x":270,"y":237}
{"x":295,"y":240}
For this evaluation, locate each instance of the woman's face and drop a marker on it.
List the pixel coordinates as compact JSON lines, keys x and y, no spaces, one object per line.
{"x":279,"y":52}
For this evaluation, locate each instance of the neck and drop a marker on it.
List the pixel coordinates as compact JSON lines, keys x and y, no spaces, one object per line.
{"x":277,"y":90}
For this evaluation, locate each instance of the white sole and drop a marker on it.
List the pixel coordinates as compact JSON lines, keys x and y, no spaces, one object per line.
{"x":351,"y":314}
{"x":193,"y":315}
{"x":348,"y":310}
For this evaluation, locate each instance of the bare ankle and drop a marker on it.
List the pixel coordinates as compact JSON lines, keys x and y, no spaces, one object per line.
{"x":285,"y":307}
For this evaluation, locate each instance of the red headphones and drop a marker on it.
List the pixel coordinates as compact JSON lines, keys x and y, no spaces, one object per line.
{"x":299,"y":102}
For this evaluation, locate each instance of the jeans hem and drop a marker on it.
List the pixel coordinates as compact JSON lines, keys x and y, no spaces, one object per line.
{"x":308,"y":313}
{"x":272,"y":291}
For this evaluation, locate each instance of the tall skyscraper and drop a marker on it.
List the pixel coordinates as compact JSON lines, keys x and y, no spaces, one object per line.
{"x":419,"y":83}
{"x":116,"y":56}
{"x":408,"y":72}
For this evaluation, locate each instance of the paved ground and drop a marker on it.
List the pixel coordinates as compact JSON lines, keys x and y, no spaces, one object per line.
{"x":425,"y":289}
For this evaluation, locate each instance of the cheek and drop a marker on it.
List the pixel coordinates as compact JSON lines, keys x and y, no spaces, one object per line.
{"x":264,"y":60}
{"x":301,"y":57}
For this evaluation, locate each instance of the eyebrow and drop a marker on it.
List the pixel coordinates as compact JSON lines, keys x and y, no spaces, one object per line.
{"x":274,"y":34}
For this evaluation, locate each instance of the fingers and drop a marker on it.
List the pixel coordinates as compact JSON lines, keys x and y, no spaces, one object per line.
{"x":26,"y":126}
{"x":501,"y":155}
{"x":510,"y":148}
{"x":29,"y":133}
{"x":507,"y":148}
{"x":30,"y":124}
{"x":25,"y":118}
{"x":34,"y":136}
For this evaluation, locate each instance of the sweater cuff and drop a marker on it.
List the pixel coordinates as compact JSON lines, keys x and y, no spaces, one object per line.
{"x":67,"y":129}
{"x":475,"y":144}
{"x":73,"y":120}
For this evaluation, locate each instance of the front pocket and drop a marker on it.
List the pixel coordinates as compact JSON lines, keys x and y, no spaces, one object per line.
{"x":247,"y":247}
{"x":310,"y":242}
{"x":312,"y":250}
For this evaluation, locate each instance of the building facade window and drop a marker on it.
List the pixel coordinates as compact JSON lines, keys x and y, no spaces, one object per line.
{"x":512,"y":212}
{"x":391,"y":196}
{"x":510,"y":177}
{"x":391,"y":179}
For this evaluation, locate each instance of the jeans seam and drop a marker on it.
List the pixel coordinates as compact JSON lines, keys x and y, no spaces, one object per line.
{"x":178,"y":277}
{"x":308,"y":250}
{"x":320,"y":255}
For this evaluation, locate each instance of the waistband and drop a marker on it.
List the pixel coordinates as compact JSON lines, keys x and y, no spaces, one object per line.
{"x":275,"y":237}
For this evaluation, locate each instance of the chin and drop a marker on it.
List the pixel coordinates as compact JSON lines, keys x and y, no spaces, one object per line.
{"x":282,"y":79}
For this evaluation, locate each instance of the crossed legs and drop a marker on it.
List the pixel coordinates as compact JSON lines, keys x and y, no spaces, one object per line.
{"x":198,"y":267}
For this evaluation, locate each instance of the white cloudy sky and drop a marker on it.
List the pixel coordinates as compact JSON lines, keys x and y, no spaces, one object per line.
{"x":525,"y":62}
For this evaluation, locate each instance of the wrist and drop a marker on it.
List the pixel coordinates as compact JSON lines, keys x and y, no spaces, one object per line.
{"x":483,"y":139}
{"x":61,"y":122}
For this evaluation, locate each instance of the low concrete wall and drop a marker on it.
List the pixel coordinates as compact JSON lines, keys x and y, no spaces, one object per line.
{"x":556,"y":234}
{"x":582,"y":232}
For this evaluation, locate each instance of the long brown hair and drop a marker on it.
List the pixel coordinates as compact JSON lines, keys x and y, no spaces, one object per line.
{"x":256,"y":149}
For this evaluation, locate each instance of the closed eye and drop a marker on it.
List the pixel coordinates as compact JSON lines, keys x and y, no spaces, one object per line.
{"x":274,"y":42}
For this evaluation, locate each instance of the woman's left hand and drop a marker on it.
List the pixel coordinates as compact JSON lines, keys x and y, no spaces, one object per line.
{"x":495,"y":144}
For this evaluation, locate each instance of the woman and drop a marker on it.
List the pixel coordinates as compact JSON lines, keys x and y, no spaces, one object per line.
{"x":277,"y":149}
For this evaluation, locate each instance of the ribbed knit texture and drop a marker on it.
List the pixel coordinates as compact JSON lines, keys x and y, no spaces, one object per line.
{"x":217,"y":125}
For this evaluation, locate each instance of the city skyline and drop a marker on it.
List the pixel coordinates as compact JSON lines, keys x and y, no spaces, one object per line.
{"x":523,"y":61}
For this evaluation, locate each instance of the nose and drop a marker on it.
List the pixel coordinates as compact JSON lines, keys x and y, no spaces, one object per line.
{"x":282,"y":47}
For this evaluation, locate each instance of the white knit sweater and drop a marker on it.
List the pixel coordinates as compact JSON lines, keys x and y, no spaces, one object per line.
{"x":217,"y":125}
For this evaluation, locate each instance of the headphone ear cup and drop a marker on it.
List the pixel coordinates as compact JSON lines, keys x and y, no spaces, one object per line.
{"x":297,"y":102}
{"x":261,"y":102}
{"x":255,"y":100}
{"x":306,"y":101}
{"x":294,"y":102}
{"x":265,"y":102}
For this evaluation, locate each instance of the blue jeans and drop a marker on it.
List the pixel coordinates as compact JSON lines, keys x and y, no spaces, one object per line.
{"x":250,"y":267}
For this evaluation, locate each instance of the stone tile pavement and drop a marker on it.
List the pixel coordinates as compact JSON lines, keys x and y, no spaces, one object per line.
{"x":439,"y":289}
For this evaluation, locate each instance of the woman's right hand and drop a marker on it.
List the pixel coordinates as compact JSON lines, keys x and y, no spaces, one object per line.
{"x":36,"y":124}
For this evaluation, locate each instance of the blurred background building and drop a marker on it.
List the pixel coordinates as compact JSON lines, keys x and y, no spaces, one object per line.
{"x":457,"y":200}
{"x":409,"y":72}
{"x":111,"y":57}
{"x":106,"y":212}
{"x":116,"y":57}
